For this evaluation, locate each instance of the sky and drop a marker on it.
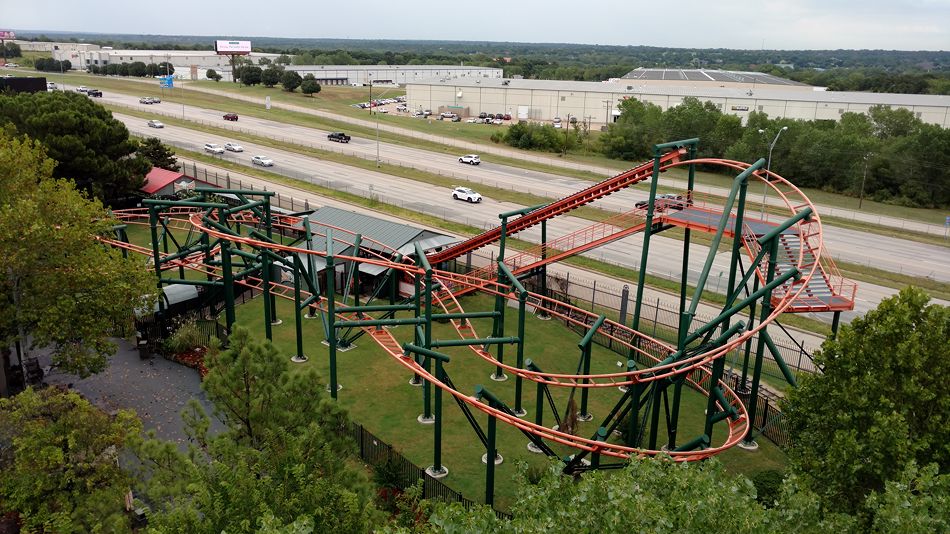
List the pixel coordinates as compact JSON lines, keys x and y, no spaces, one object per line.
{"x":736,"y":24}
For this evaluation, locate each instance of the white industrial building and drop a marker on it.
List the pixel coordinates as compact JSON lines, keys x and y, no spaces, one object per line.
{"x":188,"y":63}
{"x":543,"y":100}
{"x":393,"y":74}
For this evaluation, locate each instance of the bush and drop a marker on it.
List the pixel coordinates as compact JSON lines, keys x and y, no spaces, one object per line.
{"x":186,"y":337}
{"x":768,"y":486}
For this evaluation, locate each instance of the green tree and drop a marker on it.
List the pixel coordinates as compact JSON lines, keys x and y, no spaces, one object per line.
{"x":281,"y":462}
{"x":158,"y":154}
{"x":59,"y":287}
{"x":310,"y":87}
{"x":283,"y":59}
{"x":59,"y":463}
{"x":165,"y":68}
{"x":88,"y":144}
{"x":250,"y":75}
{"x":213,"y":75}
{"x":290,"y":80}
{"x":123,"y":69}
{"x":882,"y":402}
{"x":270,"y":77}
{"x":639,"y":127}
{"x":12,"y":49}
{"x":138,"y":68}
{"x":263,"y":61}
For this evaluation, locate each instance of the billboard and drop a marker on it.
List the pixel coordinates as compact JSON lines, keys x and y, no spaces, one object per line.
{"x":228,"y":48}
{"x":6,"y":35}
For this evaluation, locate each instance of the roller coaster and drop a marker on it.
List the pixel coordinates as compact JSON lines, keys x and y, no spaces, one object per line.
{"x":777,"y":265}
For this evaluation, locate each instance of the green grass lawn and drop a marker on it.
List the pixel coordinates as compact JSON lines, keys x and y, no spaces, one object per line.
{"x":377,"y":394}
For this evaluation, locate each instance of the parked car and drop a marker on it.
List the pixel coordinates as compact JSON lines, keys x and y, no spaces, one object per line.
{"x":497,"y":121}
{"x":94,"y":92}
{"x":339,"y":137}
{"x":482,"y":115}
{"x":263,"y":161}
{"x":456,"y":119}
{"x":233,"y":147}
{"x":466,"y":194}
{"x":507,"y":116}
{"x":155,"y":124}
{"x":471,"y":159}
{"x":446,"y":114}
{"x":471,"y":120}
{"x":213,"y":148}
{"x":664,"y":201}
{"x":230,"y":116}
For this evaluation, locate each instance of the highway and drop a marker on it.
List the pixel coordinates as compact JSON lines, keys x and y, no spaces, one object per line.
{"x":665,"y":256}
{"x":853,"y":246}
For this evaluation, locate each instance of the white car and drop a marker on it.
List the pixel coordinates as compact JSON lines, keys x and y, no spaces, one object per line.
{"x":12,"y":65}
{"x":466,"y":194}
{"x":155,"y":124}
{"x":50,"y":86}
{"x":233,"y":147}
{"x":82,"y":89}
{"x":263,"y":161}
{"x":471,"y":120}
{"x":471,"y":159}
{"x":213,"y":148}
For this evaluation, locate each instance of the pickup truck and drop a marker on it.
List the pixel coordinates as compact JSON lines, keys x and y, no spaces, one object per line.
{"x":339,"y":137}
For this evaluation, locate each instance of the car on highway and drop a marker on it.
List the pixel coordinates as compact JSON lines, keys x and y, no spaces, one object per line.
{"x":230,"y":116}
{"x":466,"y":194}
{"x":94,"y":92}
{"x":82,"y":89}
{"x":50,"y":86}
{"x":471,"y":159}
{"x":155,"y":124}
{"x":213,"y":148}
{"x":339,"y":137}
{"x":233,"y":147}
{"x":263,"y":161}
{"x":147,"y":100}
{"x":11,"y":65}
{"x":664,"y":201}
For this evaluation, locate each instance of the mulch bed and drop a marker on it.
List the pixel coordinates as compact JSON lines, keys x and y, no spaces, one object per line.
{"x":194,"y":358}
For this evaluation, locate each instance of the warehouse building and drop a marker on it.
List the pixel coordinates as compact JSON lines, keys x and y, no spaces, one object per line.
{"x":188,"y":63}
{"x":392,"y":74}
{"x":543,"y":100}
{"x":711,"y":78}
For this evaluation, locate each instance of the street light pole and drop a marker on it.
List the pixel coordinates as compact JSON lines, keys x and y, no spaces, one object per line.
{"x":607,"y":114}
{"x":768,"y":167}
{"x":861,"y":194}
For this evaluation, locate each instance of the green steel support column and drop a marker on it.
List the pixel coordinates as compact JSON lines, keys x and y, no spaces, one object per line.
{"x":539,"y":398}
{"x":522,"y":301}
{"x":298,"y":320}
{"x":736,"y":244}
{"x":491,"y":454}
{"x":687,"y":234}
{"x":645,"y":253}
{"x":584,"y":344}
{"x":633,"y":428}
{"x":658,"y":387}
{"x":717,"y":370}
{"x":499,"y":331}
{"x":749,"y":442}
{"x":595,"y":458}
{"x":331,"y":312}
{"x":834,"y":324}
{"x":437,"y":469}
{"x":153,"y":226}
{"x":419,"y":338}
{"x":675,"y":412}
{"x":228,"y":280}
{"x":748,"y":343}
{"x":504,"y":236}
{"x":270,"y":237}
{"x":268,"y":312}
{"x":427,"y":343}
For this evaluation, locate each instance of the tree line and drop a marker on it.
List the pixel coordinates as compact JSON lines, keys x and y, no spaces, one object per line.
{"x":138,"y":69}
{"x":888,"y":155}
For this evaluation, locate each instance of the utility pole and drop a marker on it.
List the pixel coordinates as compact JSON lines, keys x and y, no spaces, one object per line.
{"x":861,"y":195}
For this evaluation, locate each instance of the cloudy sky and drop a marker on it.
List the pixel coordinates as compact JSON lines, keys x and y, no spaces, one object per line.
{"x":744,"y":24}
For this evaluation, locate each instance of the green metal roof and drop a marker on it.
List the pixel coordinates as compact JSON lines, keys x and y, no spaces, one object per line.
{"x":388,"y":233}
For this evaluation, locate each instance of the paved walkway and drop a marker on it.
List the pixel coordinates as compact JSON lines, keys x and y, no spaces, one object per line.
{"x":467,"y":146}
{"x":157,"y":389}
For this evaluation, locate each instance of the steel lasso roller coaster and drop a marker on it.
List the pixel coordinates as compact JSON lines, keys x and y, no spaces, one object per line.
{"x":776,"y":266}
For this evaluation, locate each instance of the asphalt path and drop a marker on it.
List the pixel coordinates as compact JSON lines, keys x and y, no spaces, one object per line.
{"x":853,"y":246}
{"x":665,"y":253}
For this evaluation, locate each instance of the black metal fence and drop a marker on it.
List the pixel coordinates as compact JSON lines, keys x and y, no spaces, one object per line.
{"x":377,"y":452}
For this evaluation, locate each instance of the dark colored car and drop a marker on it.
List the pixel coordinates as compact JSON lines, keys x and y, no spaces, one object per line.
{"x":94,"y":92}
{"x":339,"y":137}
{"x":665,"y":201}
{"x":507,"y":116}
{"x":482,"y":115}
{"x":230,"y":116}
